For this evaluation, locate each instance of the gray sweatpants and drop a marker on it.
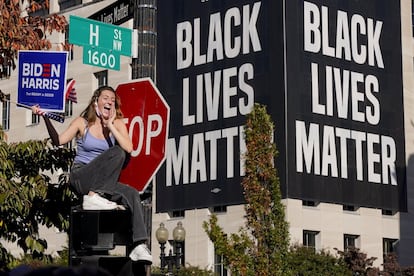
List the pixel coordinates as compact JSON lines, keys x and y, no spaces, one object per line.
{"x":101,"y":176}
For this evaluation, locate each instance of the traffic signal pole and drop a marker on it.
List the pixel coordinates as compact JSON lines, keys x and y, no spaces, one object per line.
{"x":145,"y":12}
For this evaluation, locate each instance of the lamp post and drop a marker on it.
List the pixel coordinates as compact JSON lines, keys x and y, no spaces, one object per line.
{"x":175,"y":257}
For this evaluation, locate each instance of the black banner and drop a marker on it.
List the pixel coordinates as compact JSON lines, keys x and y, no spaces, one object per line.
{"x":330,"y":75}
{"x":116,"y":13}
{"x":214,"y":60}
{"x":345,"y":114}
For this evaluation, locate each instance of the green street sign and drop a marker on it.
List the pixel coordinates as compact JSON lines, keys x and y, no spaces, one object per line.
{"x":101,"y":58}
{"x":95,"y":34}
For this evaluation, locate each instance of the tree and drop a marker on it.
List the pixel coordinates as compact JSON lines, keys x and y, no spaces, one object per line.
{"x":27,"y":196}
{"x":391,"y":265}
{"x":358,"y":262}
{"x":305,"y":261}
{"x":20,"y":30}
{"x":261,"y":247}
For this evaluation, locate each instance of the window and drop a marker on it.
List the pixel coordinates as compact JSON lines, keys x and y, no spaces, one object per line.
{"x":42,"y":12}
{"x":350,"y":208}
{"x":177,"y":214}
{"x":389,"y":245}
{"x":219,"y":209}
{"x":350,"y":241}
{"x":70,"y":49}
{"x":5,"y":68}
{"x":5,"y":122}
{"x":102,"y":78}
{"x":65,"y":4}
{"x":219,"y":268}
{"x":68,"y":108}
{"x":35,"y":119}
{"x":310,"y":238}
{"x":310,"y":203}
{"x":386,"y":212}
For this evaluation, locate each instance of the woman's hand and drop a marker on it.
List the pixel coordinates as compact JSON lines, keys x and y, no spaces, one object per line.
{"x":118,"y":129}
{"x":112,"y":115}
{"x":108,"y":122}
{"x":36,"y":109}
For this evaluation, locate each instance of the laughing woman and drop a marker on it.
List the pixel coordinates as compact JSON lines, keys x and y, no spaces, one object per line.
{"x":102,"y":146}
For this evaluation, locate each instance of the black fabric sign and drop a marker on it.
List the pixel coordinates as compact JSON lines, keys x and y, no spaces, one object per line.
{"x":330,"y":75}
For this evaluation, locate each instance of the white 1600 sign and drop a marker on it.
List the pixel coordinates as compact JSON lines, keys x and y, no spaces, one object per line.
{"x":101,"y":57}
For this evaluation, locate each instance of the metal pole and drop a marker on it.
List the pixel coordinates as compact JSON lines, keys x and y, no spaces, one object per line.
{"x":162,"y":255}
{"x":145,"y":17}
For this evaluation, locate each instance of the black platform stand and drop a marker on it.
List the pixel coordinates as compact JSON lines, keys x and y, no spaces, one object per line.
{"x":93,"y":233}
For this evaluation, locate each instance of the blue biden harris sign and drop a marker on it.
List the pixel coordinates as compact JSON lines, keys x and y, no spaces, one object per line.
{"x":42,"y":79}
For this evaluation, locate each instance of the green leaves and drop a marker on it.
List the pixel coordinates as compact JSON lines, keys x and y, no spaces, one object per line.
{"x":22,"y":32}
{"x":35,"y":245}
{"x":261,"y":246}
{"x":306,"y":261}
{"x":27,"y":197}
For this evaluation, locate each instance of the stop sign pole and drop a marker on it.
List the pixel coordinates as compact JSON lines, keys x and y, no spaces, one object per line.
{"x":147,"y":115}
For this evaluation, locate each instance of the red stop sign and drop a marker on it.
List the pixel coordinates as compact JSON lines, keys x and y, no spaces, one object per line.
{"x":147,"y":117}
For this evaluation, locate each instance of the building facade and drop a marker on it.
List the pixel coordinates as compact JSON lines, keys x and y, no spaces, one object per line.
{"x":333,"y":75}
{"x":214,"y":59}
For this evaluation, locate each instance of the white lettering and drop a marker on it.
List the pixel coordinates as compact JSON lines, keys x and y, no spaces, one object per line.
{"x":93,"y":35}
{"x":180,"y":168}
{"x":208,"y":96}
{"x":365,"y":105}
{"x":220,"y":42}
{"x":357,"y":41}
{"x":378,"y":152}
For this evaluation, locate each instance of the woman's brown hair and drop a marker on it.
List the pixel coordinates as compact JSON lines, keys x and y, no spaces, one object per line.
{"x":89,"y":113}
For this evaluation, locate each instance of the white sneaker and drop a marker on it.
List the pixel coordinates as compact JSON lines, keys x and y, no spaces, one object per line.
{"x":141,"y":253}
{"x":96,"y":202}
